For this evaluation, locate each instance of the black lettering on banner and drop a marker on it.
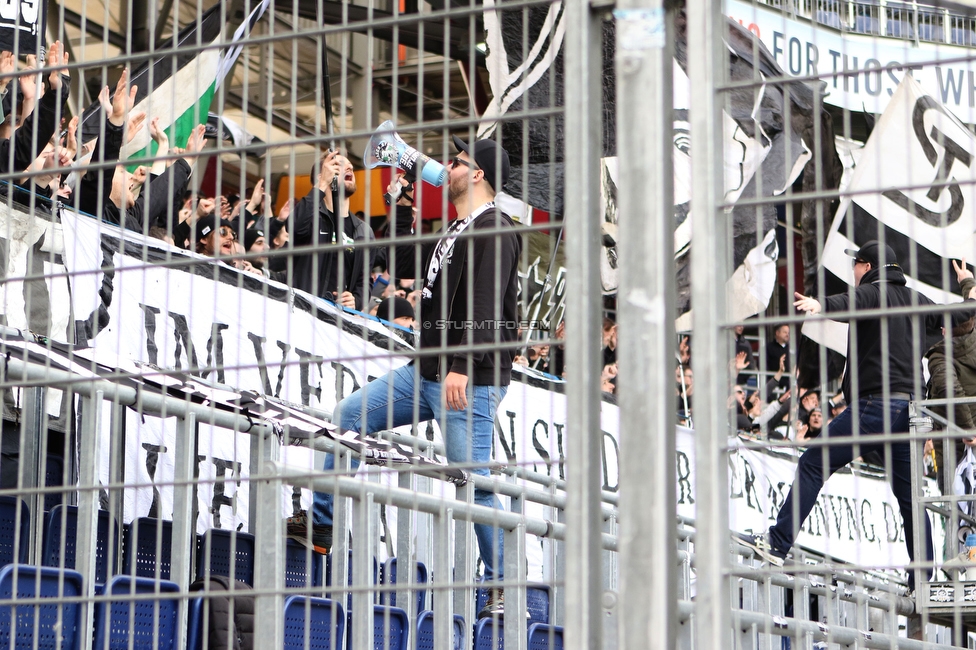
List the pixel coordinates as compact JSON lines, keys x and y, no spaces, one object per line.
{"x":950,"y":84}
{"x":258,"y":343}
{"x":215,"y":350}
{"x":686,"y":494}
{"x":559,"y":447}
{"x":853,"y":531}
{"x":813,"y":57}
{"x":867,"y":527}
{"x":749,"y":487}
{"x":892,"y":524}
{"x":539,"y":447}
{"x":340,"y":372}
{"x":735,"y":484}
{"x":150,"y":325}
{"x":606,"y":463}
{"x":296,"y":499}
{"x":872,"y":70}
{"x":220,"y":497}
{"x":850,"y":77}
{"x":285,"y":349}
{"x":509,"y":450}
{"x":817,"y":521}
{"x":181,"y":331}
{"x":835,"y":56}
{"x":835,"y":512}
{"x":152,"y":459}
{"x":893,"y":66}
{"x":796,"y":57}
{"x":776,"y":498}
{"x":21,"y":21}
{"x":304,"y":360}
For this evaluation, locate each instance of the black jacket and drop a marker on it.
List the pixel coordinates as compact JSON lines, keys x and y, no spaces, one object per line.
{"x":317,"y":272}
{"x":486,"y":263}
{"x":902,"y":335}
{"x":95,"y":186}
{"x":154,"y":202}
{"x":30,"y":138}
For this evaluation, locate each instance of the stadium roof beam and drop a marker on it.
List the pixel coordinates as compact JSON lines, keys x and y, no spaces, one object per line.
{"x":258,"y":111}
{"x":96,"y":30}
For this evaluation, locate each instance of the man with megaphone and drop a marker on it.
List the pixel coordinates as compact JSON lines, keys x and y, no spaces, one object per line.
{"x":320,"y":270}
{"x":468,"y":335}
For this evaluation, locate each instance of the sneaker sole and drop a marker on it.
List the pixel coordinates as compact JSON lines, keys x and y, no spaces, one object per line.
{"x":301,"y":539}
{"x":763,"y":552}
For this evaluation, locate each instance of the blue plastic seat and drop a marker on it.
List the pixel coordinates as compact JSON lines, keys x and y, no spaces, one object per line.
{"x":194,"y":624}
{"x":388,"y":576}
{"x":391,"y":628}
{"x":536,"y":601}
{"x":53,"y":477}
{"x":239,"y":566}
{"x":297,"y":569}
{"x":55,"y":626}
{"x":425,"y":631}
{"x":128,"y":623}
{"x":349,"y":582}
{"x":319,"y":620}
{"x":68,"y":515}
{"x":142,"y":555}
{"x":544,"y":637}
{"x":12,"y":535}
{"x":488,"y":635}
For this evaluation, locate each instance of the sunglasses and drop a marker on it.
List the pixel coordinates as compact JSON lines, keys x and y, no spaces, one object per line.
{"x":467,"y":163}
{"x":228,"y":232}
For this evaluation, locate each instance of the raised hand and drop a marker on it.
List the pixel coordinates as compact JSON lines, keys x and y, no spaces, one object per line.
{"x":7,"y":64}
{"x":962,"y":272}
{"x":330,"y":168}
{"x":57,"y":58}
{"x":136,"y":120}
{"x":158,"y":134}
{"x":122,"y":102}
{"x":69,"y":147}
{"x":805,"y":303}
{"x":256,"y":197}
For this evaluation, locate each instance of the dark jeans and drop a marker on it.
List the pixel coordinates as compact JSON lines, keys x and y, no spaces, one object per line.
{"x":810,"y":474}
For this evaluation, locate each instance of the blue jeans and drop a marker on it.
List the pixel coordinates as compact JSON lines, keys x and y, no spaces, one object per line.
{"x":390,"y":401}
{"x":810,"y":474}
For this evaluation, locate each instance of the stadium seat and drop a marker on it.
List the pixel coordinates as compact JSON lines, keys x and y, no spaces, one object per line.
{"x":391,"y":628}
{"x":425,"y":631}
{"x":194,"y":624}
{"x":53,"y":477}
{"x":239,"y":566}
{"x":142,"y":555}
{"x":129,"y":624}
{"x":544,"y":637}
{"x":488,"y":635}
{"x":68,"y":515}
{"x":10,"y":534}
{"x":296,"y":566}
{"x":40,"y":627}
{"x":328,"y":575}
{"x":388,"y":576}
{"x":536,"y":601}
{"x":319,"y":620}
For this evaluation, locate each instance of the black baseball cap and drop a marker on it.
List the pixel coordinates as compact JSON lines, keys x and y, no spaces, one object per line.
{"x":395,"y":307}
{"x":871,"y":252}
{"x":251,"y":235}
{"x":274,"y":228}
{"x":211,"y":222}
{"x":490,"y":157}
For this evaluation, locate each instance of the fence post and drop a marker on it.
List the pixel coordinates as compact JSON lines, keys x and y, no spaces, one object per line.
{"x":88,"y":439}
{"x":583,"y":52}
{"x":269,"y":541}
{"x":646,"y":337}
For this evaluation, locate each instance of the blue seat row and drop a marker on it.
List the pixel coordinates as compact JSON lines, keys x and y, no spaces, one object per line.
{"x":489,"y":635}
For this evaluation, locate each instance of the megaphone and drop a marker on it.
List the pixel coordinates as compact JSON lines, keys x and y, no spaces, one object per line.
{"x":387,"y":149}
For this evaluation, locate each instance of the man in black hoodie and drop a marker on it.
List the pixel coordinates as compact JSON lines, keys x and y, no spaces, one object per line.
{"x":875,"y":342}
{"x":338,"y":274}
{"x":469,"y":298}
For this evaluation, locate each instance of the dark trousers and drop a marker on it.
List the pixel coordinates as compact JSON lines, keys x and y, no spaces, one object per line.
{"x":811,"y":474}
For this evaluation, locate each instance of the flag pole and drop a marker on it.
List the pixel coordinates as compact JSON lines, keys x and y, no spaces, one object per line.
{"x":329,"y":121}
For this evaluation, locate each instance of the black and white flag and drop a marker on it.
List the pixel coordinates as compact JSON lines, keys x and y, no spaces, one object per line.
{"x":914,"y":187}
{"x":762,"y":157}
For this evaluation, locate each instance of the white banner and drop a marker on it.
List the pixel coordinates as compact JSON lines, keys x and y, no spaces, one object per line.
{"x":171,"y":313}
{"x":875,"y":64}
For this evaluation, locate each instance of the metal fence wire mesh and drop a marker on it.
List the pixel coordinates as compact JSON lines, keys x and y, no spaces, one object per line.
{"x":504,"y":324}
